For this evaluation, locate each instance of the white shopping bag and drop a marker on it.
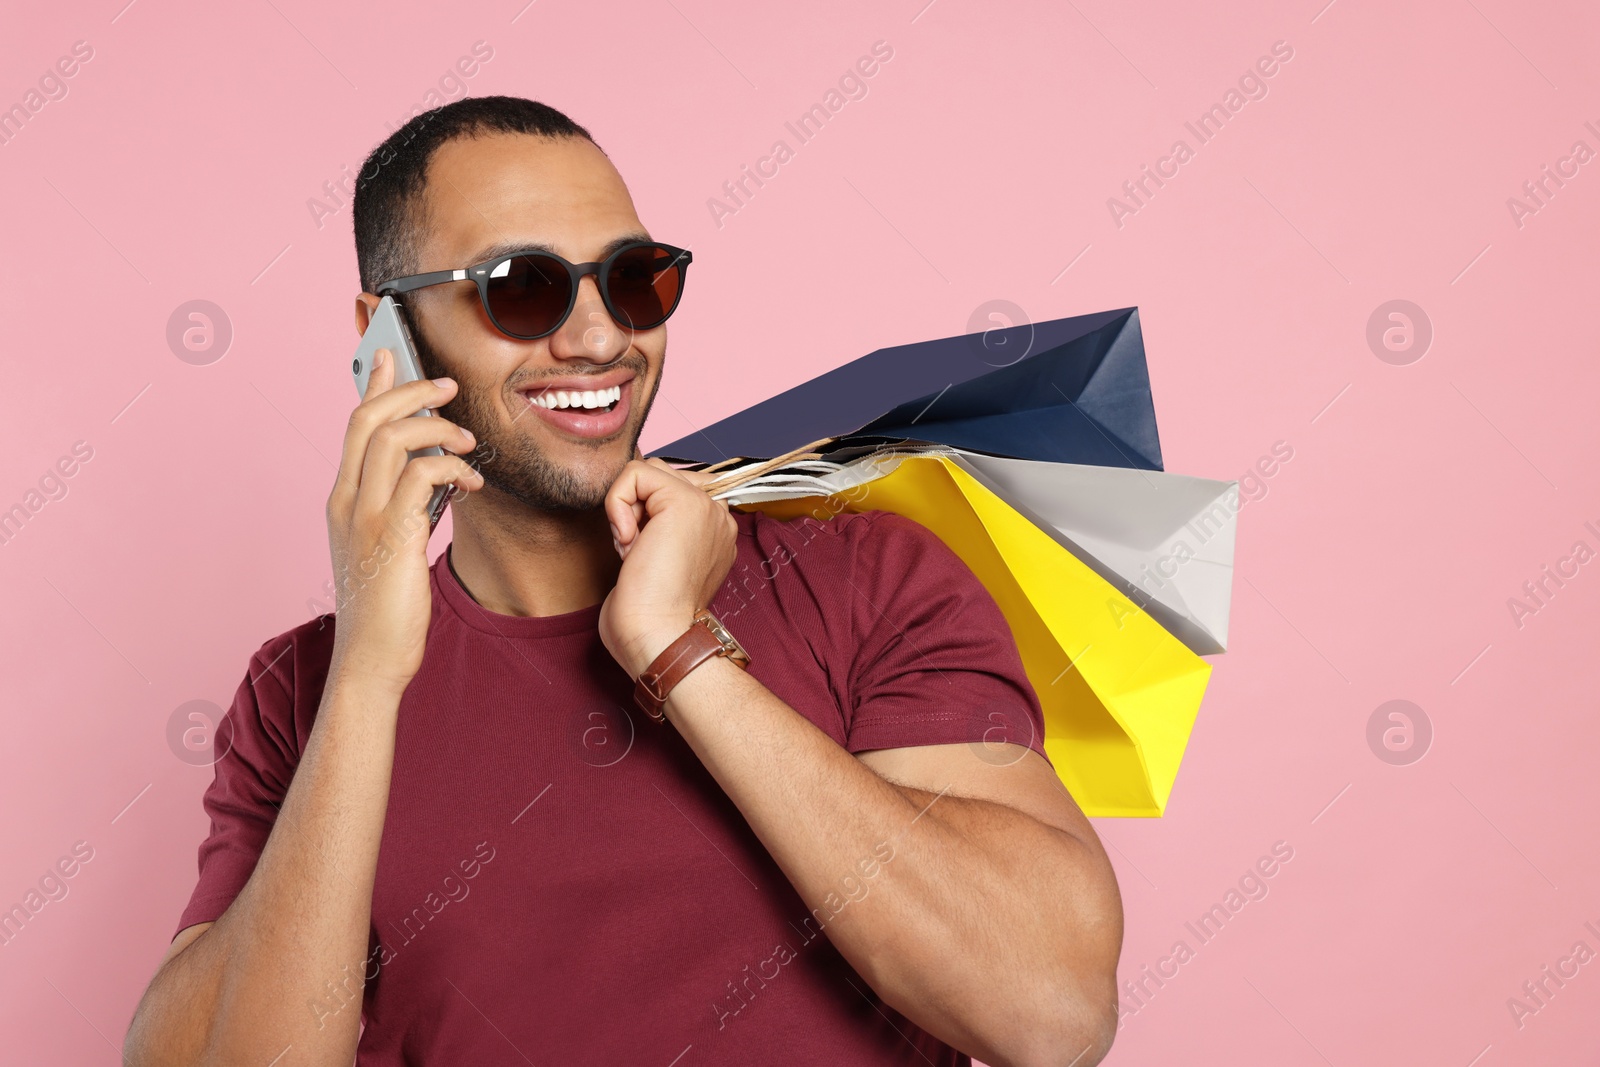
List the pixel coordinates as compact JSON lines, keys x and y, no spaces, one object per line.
{"x":1165,"y":540}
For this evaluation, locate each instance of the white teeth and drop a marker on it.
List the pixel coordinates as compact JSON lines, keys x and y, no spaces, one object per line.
{"x":588,"y":398}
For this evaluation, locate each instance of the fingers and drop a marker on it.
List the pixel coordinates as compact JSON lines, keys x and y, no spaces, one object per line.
{"x":421,"y":477}
{"x":696,"y":478}
{"x":642,"y":490}
{"x":381,"y":377}
{"x":621,"y":511}
{"x":387,"y":455}
{"x":628,"y":501}
{"x":384,"y":402}
{"x":693,"y":477}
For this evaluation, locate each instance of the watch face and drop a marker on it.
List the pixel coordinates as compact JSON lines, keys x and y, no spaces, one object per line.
{"x":727,"y":640}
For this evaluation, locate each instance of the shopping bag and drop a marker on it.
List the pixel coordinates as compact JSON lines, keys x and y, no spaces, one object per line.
{"x":1119,"y":692}
{"x":1073,"y":390}
{"x":1164,"y":540}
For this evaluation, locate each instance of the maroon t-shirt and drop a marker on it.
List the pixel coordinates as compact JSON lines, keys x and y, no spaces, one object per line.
{"x":560,"y":880}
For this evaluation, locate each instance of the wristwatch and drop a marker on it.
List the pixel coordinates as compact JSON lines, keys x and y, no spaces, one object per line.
{"x":705,"y":637}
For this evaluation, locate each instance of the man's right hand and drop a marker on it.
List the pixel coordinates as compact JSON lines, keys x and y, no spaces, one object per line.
{"x":378,"y":523}
{"x":230,"y":988}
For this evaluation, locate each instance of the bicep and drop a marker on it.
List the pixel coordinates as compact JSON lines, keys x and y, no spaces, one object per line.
{"x":1010,"y":775}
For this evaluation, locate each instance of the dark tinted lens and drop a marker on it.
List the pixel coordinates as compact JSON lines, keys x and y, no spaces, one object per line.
{"x":644,"y":284}
{"x":530,"y":295}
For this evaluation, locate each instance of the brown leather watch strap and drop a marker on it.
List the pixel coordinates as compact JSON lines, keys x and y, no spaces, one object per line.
{"x":696,"y":645}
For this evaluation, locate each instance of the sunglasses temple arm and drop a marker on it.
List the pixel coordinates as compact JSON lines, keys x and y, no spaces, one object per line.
{"x":420,"y":281}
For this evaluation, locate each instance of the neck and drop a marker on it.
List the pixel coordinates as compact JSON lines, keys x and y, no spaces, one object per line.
{"x":517,"y":560}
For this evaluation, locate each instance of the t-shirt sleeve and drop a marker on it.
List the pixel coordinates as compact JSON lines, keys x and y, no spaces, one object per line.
{"x":934,"y":662}
{"x":255,"y":743}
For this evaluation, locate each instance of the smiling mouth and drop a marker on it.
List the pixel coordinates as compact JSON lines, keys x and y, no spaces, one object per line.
{"x":593,"y":415}
{"x":597,"y":400}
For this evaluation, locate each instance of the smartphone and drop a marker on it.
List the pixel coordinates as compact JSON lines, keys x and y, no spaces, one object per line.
{"x":388,"y":329}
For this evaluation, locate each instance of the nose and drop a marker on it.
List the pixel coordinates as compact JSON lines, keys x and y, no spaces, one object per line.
{"x":590,"y":334}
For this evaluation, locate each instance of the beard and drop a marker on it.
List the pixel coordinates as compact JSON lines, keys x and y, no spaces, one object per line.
{"x":515,"y":465}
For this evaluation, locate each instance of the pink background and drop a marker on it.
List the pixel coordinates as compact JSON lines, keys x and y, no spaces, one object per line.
{"x":1377,"y":566}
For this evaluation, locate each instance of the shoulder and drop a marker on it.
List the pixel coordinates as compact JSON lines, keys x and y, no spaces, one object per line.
{"x":283,"y":683}
{"x":296,"y":654}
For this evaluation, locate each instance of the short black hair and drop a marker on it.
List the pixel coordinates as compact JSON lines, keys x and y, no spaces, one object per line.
{"x":388,"y":209}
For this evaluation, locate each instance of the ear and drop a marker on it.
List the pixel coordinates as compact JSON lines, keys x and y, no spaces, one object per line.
{"x":366,"y":304}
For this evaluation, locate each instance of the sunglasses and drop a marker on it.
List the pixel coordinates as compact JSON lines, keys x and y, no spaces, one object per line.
{"x":528,"y":295}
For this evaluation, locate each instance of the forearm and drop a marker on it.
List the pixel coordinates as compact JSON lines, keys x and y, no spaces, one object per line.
{"x":285,"y":964}
{"x":985,"y":926}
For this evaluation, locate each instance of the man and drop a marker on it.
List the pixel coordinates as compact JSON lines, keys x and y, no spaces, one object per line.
{"x":446,"y":833}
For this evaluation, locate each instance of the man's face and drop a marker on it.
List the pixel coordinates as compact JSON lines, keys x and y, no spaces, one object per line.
{"x":564,"y":195}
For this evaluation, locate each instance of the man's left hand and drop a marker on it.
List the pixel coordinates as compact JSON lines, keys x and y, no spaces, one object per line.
{"x":677,"y":545}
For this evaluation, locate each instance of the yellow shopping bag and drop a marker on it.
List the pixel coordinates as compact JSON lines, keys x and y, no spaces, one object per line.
{"x":1119,"y":692}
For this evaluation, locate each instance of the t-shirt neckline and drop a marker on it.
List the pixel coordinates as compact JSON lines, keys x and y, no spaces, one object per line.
{"x":475,"y":615}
